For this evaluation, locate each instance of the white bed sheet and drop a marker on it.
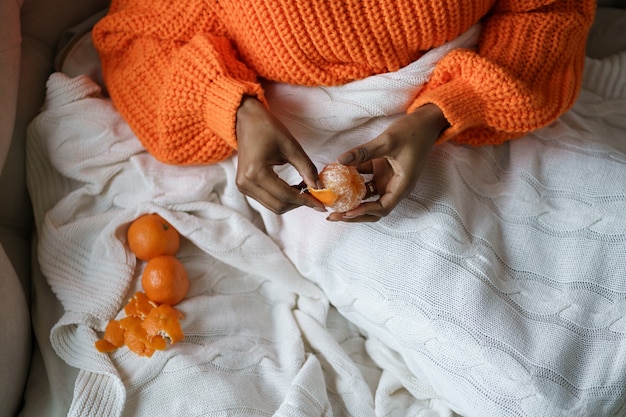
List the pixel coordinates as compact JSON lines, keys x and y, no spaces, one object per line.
{"x":496,"y":289}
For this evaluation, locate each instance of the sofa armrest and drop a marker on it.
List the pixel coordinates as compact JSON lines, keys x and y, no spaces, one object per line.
{"x":29,"y":32}
{"x":10,"y":41}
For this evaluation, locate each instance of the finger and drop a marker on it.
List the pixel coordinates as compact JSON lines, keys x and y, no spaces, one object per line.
{"x":373,"y":149}
{"x":372,"y":210}
{"x":265,"y":186}
{"x":261,"y":186}
{"x":283,"y":195}
{"x":295,"y":155}
{"x":268,"y":200}
{"x":365,"y":168}
{"x":339,"y":217}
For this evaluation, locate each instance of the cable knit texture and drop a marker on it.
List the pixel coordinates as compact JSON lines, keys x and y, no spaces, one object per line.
{"x":177,"y":70}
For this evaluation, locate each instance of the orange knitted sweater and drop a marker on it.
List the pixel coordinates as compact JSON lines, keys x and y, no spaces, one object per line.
{"x":177,"y":70}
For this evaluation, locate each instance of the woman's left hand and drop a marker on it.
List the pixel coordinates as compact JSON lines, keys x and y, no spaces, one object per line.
{"x":395,"y":158}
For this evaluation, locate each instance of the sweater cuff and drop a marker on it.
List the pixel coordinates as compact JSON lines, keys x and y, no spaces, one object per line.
{"x":221,"y":108}
{"x":460,"y":105}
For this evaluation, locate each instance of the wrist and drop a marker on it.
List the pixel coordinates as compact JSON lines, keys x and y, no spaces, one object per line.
{"x":248,"y":103}
{"x":434,"y":116}
{"x":249,"y":110}
{"x":427,"y":123}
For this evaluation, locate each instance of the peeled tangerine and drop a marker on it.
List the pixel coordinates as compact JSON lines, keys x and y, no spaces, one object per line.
{"x":344,"y":188}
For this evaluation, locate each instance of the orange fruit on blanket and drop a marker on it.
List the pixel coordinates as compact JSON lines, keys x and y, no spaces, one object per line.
{"x":151,"y":235}
{"x":165,"y":280}
{"x":344,"y":188}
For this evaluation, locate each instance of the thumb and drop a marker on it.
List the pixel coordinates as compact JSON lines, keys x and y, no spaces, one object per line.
{"x":364,"y":153}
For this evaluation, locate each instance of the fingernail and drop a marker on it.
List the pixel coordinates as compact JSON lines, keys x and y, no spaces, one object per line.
{"x":320,"y":209}
{"x":330,"y":219}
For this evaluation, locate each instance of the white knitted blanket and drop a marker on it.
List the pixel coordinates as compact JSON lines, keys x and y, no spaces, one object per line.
{"x":497,"y":288}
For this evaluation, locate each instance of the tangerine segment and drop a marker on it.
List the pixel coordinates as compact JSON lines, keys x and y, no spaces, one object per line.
{"x":150,"y":235}
{"x":165,"y":280}
{"x":164,"y":321}
{"x":344,"y":187}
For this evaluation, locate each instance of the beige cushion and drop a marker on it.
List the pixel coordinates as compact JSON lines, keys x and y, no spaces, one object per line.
{"x":29,"y":31}
{"x":15,"y":335}
{"x":608,"y":34}
{"x":612,"y":3}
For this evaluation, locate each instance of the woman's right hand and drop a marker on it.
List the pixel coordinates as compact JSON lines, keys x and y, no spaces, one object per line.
{"x":264,"y":142}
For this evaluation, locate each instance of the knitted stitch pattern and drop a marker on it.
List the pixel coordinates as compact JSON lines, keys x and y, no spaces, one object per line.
{"x":177,"y":71}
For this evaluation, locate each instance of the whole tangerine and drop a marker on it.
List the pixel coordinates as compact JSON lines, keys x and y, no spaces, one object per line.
{"x":344,"y":187}
{"x":150,"y":235}
{"x":165,"y":280}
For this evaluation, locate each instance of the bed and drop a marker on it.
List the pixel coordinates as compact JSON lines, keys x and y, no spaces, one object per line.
{"x":497,"y":288}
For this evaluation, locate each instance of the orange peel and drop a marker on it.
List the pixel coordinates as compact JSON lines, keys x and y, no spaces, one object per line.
{"x":112,"y":339}
{"x":105,"y":346}
{"x":114,"y":333}
{"x":344,"y":187}
{"x":138,"y":340}
{"x":146,"y":328}
{"x":139,"y":305}
{"x":164,"y":321}
{"x":325,"y":195}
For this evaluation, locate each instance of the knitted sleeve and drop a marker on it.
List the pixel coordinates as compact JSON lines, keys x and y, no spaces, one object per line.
{"x":175,"y":80}
{"x":525,"y":73}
